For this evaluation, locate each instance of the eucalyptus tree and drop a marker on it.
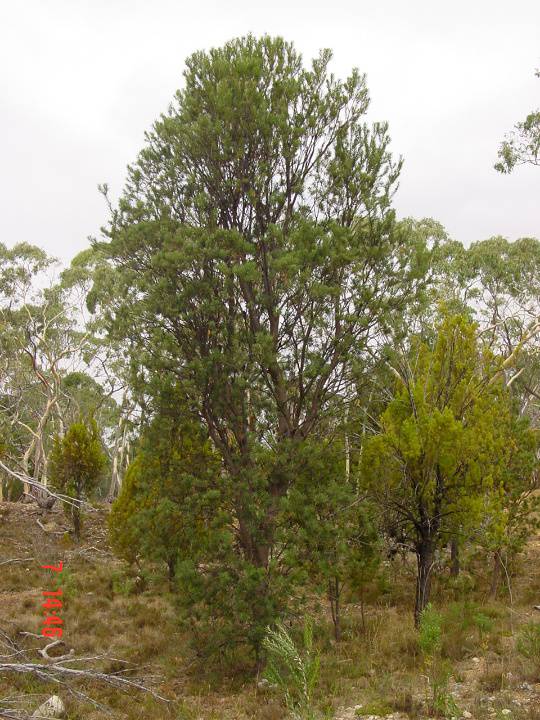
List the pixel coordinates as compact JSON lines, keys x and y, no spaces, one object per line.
{"x":36,"y":338}
{"x":256,"y":256}
{"x":104,"y":390}
{"x":498,"y":281}
{"x":45,"y":353}
{"x":522,"y":145}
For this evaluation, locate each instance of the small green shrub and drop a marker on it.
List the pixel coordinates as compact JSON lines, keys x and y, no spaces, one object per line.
{"x":483,"y":623}
{"x":528,"y":643}
{"x":466,"y":629}
{"x":294,"y":671}
{"x":430,"y":632}
{"x":123,"y":584}
{"x":438,"y":671}
{"x":69,"y":584}
{"x":376,"y":707}
{"x":441,"y":703}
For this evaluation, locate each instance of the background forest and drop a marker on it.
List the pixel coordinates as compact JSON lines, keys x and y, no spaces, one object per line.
{"x":293,"y":437}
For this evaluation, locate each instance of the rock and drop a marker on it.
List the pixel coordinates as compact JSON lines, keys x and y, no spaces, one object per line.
{"x":506,"y":711}
{"x":475,"y":660}
{"x":52,"y":708}
{"x":466,"y":714}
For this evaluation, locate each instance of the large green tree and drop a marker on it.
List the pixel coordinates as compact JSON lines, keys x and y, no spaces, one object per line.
{"x":256,"y":256}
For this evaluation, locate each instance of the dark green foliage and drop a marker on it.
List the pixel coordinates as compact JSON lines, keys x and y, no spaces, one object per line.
{"x":171,"y":495}
{"x":255,"y":265}
{"x":331,"y":532}
{"x":175,"y":507}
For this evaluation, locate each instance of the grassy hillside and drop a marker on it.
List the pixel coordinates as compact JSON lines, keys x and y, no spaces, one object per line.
{"x":129,"y":624}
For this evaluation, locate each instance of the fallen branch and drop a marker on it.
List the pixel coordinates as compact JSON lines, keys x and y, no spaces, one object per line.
{"x":57,"y":672}
{"x":29,"y":634}
{"x":50,"y":532}
{"x":66,"y":499}
{"x":45,"y":654}
{"x":14,"y":560}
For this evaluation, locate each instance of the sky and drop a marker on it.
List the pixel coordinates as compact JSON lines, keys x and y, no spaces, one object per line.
{"x":81,"y":81}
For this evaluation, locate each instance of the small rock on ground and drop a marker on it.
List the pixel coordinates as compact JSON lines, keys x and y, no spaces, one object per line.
{"x":52,"y":708}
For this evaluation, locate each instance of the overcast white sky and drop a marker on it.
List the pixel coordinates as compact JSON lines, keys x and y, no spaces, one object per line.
{"x":80,"y":81}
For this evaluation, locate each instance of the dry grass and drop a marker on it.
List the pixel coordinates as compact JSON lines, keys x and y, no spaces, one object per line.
{"x":107,"y":611}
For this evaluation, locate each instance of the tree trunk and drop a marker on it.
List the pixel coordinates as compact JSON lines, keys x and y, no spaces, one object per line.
{"x":171,"y":572}
{"x":76,"y":512}
{"x":76,"y":516}
{"x":496,"y":574}
{"x":454,"y":558}
{"x":424,"y":560}
{"x":362,"y":610}
{"x":120,"y":454}
{"x":347,"y":449}
{"x":26,"y":471}
{"x":334,"y":591}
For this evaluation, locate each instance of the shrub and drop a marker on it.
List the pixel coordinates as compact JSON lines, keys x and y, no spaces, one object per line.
{"x":430,"y":632}
{"x":438,"y":671}
{"x":76,"y":463}
{"x":294,"y":671}
{"x":528,"y":643}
